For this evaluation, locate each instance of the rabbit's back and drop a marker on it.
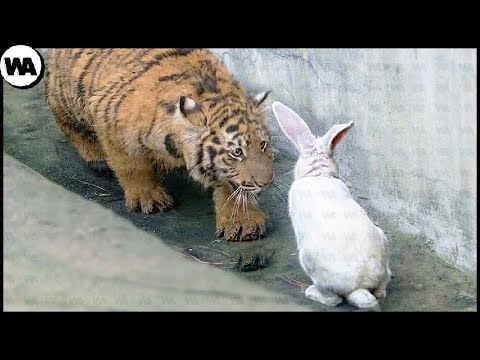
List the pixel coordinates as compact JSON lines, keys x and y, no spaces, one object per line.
{"x":339,"y":246}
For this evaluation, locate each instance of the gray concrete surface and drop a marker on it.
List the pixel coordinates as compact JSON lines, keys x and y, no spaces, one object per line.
{"x":62,"y":252}
{"x":412,"y":153}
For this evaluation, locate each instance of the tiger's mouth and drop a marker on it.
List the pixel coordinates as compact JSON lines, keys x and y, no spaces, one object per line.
{"x":250,"y":188}
{"x":242,"y":198}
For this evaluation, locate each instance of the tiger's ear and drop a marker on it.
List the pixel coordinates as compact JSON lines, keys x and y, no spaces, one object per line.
{"x":261,"y":97}
{"x":190,"y":112}
{"x":187,"y":106}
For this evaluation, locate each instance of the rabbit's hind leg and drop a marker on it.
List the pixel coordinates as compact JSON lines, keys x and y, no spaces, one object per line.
{"x":362,"y":299}
{"x":326,"y":298}
{"x":381,"y":291}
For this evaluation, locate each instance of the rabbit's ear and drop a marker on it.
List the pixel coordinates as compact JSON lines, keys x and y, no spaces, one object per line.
{"x":294,"y":128}
{"x":334,"y":135}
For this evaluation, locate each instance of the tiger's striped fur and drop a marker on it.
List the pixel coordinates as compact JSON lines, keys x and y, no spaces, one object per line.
{"x":137,"y":109}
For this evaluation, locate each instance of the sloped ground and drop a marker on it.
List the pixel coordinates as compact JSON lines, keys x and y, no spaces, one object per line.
{"x":422,"y":281}
{"x":62,"y":252}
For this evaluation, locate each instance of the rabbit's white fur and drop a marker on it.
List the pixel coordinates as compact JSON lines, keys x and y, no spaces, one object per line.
{"x":340,"y":248}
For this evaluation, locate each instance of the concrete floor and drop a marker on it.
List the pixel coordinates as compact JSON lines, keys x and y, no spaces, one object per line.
{"x":62,"y":252}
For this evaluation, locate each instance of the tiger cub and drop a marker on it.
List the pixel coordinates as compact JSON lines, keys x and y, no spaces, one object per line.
{"x":135,"y":110}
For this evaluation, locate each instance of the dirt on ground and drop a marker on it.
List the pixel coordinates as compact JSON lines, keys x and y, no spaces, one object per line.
{"x":422,"y":281}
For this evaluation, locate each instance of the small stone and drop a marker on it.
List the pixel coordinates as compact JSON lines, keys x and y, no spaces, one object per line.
{"x":419,"y":286}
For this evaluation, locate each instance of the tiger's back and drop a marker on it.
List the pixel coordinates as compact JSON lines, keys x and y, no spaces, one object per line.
{"x":131,"y":108}
{"x":80,"y":83}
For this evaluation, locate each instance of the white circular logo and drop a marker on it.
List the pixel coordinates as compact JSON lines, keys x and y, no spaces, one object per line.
{"x":22,"y":66}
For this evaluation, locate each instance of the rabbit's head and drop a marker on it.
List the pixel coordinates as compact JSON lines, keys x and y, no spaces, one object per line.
{"x":316,"y":153}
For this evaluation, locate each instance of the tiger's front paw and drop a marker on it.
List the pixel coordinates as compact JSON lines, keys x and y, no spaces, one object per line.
{"x":243,"y":227}
{"x":149,"y":201}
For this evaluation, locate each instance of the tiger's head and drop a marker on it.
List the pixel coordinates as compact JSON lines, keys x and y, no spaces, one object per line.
{"x":234,"y":141}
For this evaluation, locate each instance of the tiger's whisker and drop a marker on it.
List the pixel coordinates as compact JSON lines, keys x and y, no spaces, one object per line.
{"x":195,"y":167}
{"x":240,"y":197}
{"x":232,"y":195}
{"x":253,"y":197}
{"x":243,"y":203}
{"x":246,"y":203}
{"x":235,"y":206}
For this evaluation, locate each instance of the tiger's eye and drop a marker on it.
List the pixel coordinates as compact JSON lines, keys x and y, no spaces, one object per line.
{"x":237,"y":152}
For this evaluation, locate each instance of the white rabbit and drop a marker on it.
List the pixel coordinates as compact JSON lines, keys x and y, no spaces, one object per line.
{"x":340,"y":248}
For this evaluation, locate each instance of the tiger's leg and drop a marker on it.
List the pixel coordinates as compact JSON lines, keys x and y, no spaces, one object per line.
{"x":137,"y":177}
{"x":86,"y":143}
{"x":237,"y":218}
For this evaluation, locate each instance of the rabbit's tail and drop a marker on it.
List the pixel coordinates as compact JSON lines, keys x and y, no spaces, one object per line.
{"x":362,"y":299}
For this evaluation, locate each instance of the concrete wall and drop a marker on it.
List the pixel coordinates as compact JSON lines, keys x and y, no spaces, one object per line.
{"x":412,"y":153}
